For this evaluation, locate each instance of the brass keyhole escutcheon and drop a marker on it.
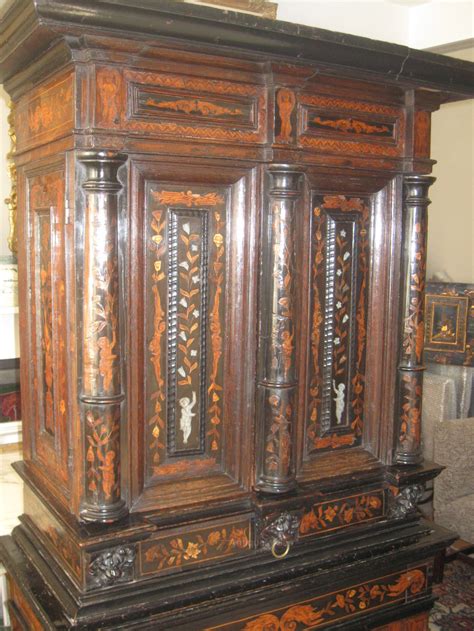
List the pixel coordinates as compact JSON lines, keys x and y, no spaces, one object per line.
{"x":280,"y":555}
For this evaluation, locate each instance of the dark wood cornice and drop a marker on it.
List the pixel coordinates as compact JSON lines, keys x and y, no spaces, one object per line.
{"x":28,"y":27}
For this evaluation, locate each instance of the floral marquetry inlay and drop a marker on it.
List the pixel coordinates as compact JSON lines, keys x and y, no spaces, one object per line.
{"x":168,"y":553}
{"x":339,"y":276}
{"x":46,"y":301}
{"x":337,"y":606}
{"x":341,"y":513}
{"x":278,"y":443}
{"x":102,"y":469}
{"x":100,"y":362}
{"x":410,"y":368}
{"x":49,"y":328}
{"x":410,"y":409}
{"x":45,"y":112}
{"x":414,"y":325}
{"x":187,"y":198}
{"x":188,"y":263}
{"x":109,"y":94}
{"x":187,"y":280}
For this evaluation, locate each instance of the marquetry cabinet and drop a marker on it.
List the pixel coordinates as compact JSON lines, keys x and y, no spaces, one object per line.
{"x":222,"y":230}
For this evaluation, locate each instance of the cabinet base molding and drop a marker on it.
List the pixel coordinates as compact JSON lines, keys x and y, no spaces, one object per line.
{"x":375,"y":579}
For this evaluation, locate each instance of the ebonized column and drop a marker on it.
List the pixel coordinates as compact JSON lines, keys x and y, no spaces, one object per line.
{"x":410,"y":369}
{"x":101,"y":394}
{"x":277,"y":378}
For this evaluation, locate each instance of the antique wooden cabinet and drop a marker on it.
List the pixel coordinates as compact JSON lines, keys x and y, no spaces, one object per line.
{"x":222,"y":248}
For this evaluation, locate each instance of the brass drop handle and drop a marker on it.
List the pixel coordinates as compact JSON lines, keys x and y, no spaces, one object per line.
{"x":278,"y":544}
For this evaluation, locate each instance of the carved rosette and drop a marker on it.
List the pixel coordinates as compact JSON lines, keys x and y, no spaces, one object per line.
{"x":101,"y":394}
{"x":277,"y":352}
{"x":112,"y":566}
{"x":405,"y":502}
{"x":410,"y":370}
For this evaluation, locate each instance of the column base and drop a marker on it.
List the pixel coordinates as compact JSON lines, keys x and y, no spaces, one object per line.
{"x":104,"y":515}
{"x":408,"y":459}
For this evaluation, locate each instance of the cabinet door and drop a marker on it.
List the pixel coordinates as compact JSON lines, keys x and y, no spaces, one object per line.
{"x":350,"y":331}
{"x":192,"y":332}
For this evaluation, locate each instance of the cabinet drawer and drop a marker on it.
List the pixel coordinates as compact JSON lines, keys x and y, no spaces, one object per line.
{"x":334,"y":607}
{"x":341,"y":125}
{"x":180,"y":106}
{"x":192,"y":546}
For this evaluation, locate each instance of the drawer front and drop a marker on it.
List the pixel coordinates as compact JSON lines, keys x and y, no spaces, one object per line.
{"x":338,"y":125}
{"x":180,"y":106}
{"x":192,"y":546}
{"x":341,"y":513}
{"x":337,"y":606}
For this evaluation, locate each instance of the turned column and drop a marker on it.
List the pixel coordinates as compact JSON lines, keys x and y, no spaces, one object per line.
{"x":410,"y":368}
{"x":101,"y":393}
{"x":277,"y":379}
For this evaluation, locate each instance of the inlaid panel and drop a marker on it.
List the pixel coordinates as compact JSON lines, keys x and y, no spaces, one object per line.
{"x":193,"y":273}
{"x":45,"y":113}
{"x":349,"y":126}
{"x":344,"y":512}
{"x":45,"y":324}
{"x":48,"y":324}
{"x":188,"y":548}
{"x":338,"y":321}
{"x":180,"y":106}
{"x":328,"y":609}
{"x":186,"y":271}
{"x":149,"y":102}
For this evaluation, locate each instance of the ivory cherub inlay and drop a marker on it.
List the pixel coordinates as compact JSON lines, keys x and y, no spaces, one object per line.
{"x":185,"y":422}
{"x":339,"y":400}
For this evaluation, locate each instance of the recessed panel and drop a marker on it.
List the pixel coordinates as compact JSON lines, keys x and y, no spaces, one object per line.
{"x":48,"y":332}
{"x":338,"y":323}
{"x":186,"y":277}
{"x":340,"y":125}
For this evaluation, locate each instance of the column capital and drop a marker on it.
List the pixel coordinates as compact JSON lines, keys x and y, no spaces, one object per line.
{"x":415,"y":190}
{"x":101,"y":170}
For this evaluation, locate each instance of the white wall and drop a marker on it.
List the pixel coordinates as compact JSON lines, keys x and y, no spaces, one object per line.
{"x":451,"y":214}
{"x":414,"y":23}
{"x":436,"y":23}
{"x":376,"y":19}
